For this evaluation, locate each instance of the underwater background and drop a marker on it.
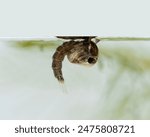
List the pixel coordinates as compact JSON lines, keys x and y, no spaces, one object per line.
{"x":117,"y":87}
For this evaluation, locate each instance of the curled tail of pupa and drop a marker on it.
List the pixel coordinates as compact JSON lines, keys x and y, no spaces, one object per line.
{"x":58,"y":58}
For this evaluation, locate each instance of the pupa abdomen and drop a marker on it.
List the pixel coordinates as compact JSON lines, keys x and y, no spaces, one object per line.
{"x":58,"y":57}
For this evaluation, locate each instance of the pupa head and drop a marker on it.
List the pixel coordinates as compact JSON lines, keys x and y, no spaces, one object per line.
{"x":84,"y":53}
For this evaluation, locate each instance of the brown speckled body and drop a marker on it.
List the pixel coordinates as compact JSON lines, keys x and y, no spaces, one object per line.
{"x":79,"y":52}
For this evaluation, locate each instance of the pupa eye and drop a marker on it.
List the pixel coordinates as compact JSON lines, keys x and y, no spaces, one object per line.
{"x":91,"y":60}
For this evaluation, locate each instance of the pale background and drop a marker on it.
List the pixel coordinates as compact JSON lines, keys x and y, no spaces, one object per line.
{"x":44,"y":18}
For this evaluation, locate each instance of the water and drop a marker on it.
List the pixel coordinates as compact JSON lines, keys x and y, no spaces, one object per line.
{"x":111,"y":89}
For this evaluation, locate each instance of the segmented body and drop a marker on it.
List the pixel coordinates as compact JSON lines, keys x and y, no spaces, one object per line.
{"x":79,"y":52}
